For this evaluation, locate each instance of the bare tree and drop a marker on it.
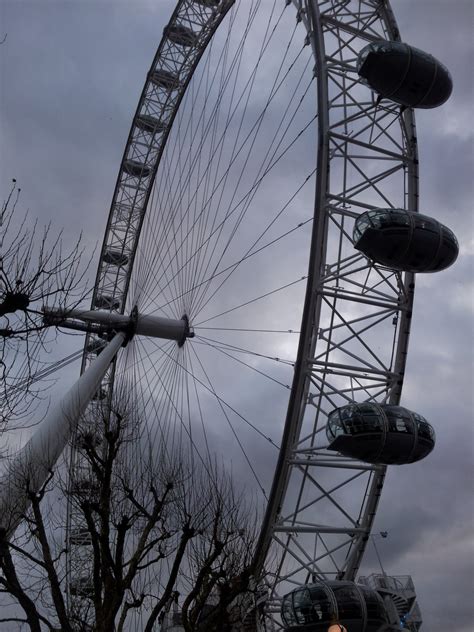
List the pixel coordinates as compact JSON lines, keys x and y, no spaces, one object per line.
{"x":34,"y":269}
{"x":157,"y":527}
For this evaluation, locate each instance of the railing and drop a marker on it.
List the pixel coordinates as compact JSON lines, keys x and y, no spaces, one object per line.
{"x":396,"y":583}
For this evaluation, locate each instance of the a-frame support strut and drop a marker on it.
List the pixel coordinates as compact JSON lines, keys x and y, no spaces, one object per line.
{"x":28,"y":470}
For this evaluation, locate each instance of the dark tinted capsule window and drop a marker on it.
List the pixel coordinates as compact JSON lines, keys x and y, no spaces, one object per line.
{"x":348,"y":602}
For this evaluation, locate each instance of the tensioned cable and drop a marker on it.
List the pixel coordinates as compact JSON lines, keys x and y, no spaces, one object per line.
{"x":230,"y":347}
{"x":257,"y":180}
{"x":198,"y":400}
{"x":225,"y":403}
{"x":167,"y":178}
{"x":233,"y":210}
{"x":60,"y":364}
{"x":253,"y":300}
{"x":250,"y":252}
{"x":212,"y":151}
{"x":252,"y":15}
{"x":242,"y":259}
{"x":168,"y":265}
{"x":171,"y":396}
{"x":264,"y":175}
{"x":257,"y":331}
{"x":249,"y":366}
{"x":167,"y":375}
{"x":239,"y":443}
{"x":143,"y":479}
{"x":169,"y":385}
{"x":234,"y":147}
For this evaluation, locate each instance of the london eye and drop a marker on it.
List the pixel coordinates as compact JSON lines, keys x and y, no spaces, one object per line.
{"x":263,"y":239}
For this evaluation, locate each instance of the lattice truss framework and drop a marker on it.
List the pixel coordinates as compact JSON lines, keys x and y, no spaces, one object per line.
{"x":361,"y":311}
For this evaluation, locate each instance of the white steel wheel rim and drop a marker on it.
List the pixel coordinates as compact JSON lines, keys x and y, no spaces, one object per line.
{"x":343,"y":537}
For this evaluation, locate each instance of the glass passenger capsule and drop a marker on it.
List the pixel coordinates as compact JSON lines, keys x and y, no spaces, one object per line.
{"x":85,"y":487}
{"x":404,"y":74}
{"x":80,"y":537}
{"x":208,"y":3}
{"x":136,"y":169}
{"x":115,"y":257}
{"x":404,"y":240}
{"x":82,"y":587}
{"x":181,"y":35}
{"x":165,"y":79}
{"x":379,"y":433}
{"x":150,"y":124}
{"x":104,"y":301}
{"x":313,"y":607}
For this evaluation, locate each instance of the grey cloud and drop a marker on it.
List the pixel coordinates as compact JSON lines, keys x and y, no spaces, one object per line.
{"x":70,"y":78}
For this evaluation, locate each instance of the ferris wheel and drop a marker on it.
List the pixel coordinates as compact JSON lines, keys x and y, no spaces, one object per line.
{"x":259,"y":262}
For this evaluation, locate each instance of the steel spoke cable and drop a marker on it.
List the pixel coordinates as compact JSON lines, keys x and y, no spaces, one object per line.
{"x":201,"y":305}
{"x":216,"y":109}
{"x":212,"y":151}
{"x":225,"y":345}
{"x":148,"y":400}
{"x":262,"y":167}
{"x":204,"y":461}
{"x":168,"y":379}
{"x":263,"y":176}
{"x":49,"y":370}
{"x":190,"y":244}
{"x":268,"y":169}
{"x":173,"y":406}
{"x":252,"y":15}
{"x":226,"y":404}
{"x":258,"y":331}
{"x":239,"y":219}
{"x":240,"y":127}
{"x":158,"y":307}
{"x":229,"y":423}
{"x":166,"y":415}
{"x":166,"y":367}
{"x":150,"y":245}
{"x":249,"y":366}
{"x":186,"y":389}
{"x":253,"y":300}
{"x":199,"y":407}
{"x":166,"y":290}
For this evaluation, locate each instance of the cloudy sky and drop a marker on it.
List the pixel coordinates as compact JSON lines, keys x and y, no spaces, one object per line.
{"x":70,"y":76}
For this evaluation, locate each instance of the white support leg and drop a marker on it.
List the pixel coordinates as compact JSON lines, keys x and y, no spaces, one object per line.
{"x":30,"y":467}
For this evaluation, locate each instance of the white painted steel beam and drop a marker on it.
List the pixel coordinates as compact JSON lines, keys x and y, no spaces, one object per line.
{"x":29,"y":469}
{"x":317,"y":528}
{"x":338,"y":464}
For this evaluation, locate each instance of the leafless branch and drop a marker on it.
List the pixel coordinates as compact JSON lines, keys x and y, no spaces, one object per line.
{"x":35,"y":268}
{"x":153,"y":532}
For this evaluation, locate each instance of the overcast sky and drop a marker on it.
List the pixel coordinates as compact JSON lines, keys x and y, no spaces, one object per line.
{"x":70,"y":76}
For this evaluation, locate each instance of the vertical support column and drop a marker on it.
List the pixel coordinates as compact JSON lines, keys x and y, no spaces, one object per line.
{"x":29,"y":469}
